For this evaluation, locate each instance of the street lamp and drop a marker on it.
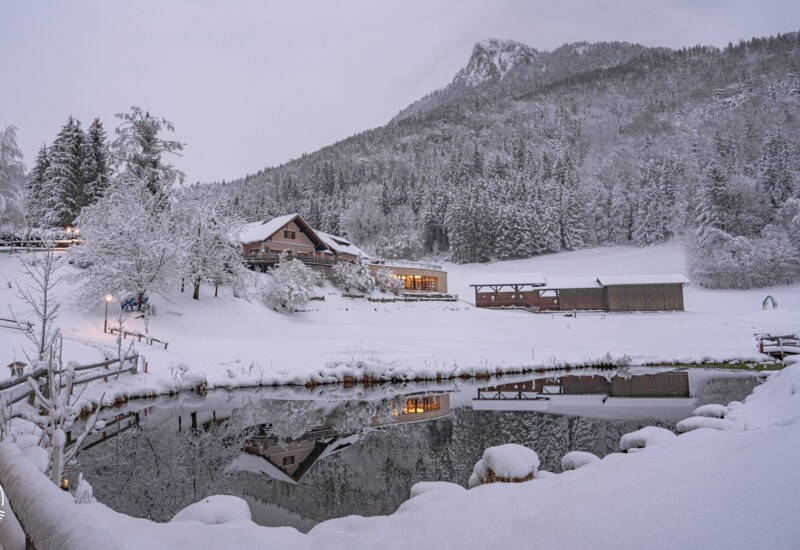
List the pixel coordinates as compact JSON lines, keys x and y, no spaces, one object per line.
{"x":108,"y":299}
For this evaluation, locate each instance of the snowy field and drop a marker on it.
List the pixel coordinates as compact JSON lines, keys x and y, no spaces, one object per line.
{"x":231,"y":342}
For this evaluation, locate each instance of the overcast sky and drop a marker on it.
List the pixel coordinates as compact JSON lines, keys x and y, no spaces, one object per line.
{"x":251,"y":84}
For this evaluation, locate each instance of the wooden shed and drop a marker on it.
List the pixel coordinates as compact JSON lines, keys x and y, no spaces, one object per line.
{"x":644,"y":292}
{"x":618,"y":293}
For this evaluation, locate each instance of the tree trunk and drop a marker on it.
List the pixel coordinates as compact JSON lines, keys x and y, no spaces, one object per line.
{"x":196,"y":293}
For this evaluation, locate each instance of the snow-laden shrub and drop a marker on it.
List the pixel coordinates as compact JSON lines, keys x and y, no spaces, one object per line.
{"x":386,"y":281}
{"x":712,"y":410}
{"x":697,"y":422}
{"x":289,"y":285}
{"x":645,"y":437}
{"x":216,"y":510}
{"x":577,"y":459}
{"x":509,"y":463}
{"x":353,"y":275}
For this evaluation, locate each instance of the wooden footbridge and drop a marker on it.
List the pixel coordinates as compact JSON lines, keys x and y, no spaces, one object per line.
{"x":778,"y":346}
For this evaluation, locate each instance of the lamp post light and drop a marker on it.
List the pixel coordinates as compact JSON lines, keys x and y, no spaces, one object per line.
{"x":108,"y":299}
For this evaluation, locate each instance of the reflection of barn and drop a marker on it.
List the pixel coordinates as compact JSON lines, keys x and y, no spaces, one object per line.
{"x":661,"y":384}
{"x":290,"y":460}
{"x":665,"y":394}
{"x":613,"y":293}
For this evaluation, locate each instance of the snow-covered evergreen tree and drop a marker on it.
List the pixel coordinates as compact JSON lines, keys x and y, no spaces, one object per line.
{"x":35,"y":186}
{"x":12,"y":180}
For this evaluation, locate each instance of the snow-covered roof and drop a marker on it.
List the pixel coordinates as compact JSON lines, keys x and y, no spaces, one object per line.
{"x":507,"y":279}
{"x":260,"y":231}
{"x":563,"y":283}
{"x":340,"y":244}
{"x":667,"y":279}
{"x":256,"y":464}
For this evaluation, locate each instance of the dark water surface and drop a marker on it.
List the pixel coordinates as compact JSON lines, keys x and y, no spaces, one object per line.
{"x":300,"y":457}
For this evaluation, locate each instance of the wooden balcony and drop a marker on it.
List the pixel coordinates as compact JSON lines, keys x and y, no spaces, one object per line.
{"x":268,"y":259}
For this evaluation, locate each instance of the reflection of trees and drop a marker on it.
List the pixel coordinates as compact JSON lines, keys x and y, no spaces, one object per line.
{"x":155,"y":473}
{"x":725,"y":389}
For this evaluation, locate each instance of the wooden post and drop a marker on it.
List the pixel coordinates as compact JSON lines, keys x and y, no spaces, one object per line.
{"x":194,"y":420}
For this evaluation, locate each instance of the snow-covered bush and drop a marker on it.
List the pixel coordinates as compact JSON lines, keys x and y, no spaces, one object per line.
{"x":509,"y":463}
{"x":708,"y":422}
{"x":290,"y":284}
{"x":577,"y":459}
{"x":386,"y":281}
{"x":353,"y":275}
{"x":645,"y":437}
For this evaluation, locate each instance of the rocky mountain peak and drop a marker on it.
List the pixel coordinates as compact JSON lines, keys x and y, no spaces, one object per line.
{"x":492,"y":59}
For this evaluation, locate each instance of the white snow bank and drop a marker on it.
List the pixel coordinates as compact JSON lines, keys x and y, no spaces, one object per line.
{"x":216,"y":510}
{"x":712,"y":410}
{"x":509,"y":461}
{"x":47,"y":513}
{"x":696,"y":422}
{"x":575,"y":459}
{"x":38,"y":456}
{"x":648,"y":436}
{"x":774,"y":403}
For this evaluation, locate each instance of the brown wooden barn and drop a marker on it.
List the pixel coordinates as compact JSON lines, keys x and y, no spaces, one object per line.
{"x":644,"y":292}
{"x":608,"y":293}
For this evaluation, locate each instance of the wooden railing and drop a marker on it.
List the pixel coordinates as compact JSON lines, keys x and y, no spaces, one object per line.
{"x":10,"y":383}
{"x":147,"y":338}
{"x":269,"y":258}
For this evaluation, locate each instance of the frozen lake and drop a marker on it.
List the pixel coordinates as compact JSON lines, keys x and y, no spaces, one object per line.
{"x":302,"y":456}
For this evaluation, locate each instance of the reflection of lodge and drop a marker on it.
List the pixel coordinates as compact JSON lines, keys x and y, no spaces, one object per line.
{"x":563,"y":393}
{"x":290,"y":460}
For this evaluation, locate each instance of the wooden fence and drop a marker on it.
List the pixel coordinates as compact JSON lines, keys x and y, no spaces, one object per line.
{"x":103,"y":368}
{"x":148,"y":339}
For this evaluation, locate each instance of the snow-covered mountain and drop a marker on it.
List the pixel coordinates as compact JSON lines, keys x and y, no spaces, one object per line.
{"x":492,"y":59}
{"x":527,"y":152}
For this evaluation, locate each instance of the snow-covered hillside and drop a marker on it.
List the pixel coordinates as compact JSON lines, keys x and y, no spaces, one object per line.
{"x":232,"y":342}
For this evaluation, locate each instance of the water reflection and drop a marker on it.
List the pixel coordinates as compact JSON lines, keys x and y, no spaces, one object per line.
{"x":300,"y":458}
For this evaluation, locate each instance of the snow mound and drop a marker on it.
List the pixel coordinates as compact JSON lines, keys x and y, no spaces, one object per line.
{"x":439,"y":487}
{"x":575,"y":459}
{"x":544,"y":474}
{"x":216,"y":510}
{"x":38,"y":456}
{"x":505,"y":463}
{"x":696,"y":422}
{"x":647,"y":436}
{"x":775,"y":403}
{"x":712,"y":411}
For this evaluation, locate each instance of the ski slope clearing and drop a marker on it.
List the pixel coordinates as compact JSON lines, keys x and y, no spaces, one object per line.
{"x":229,"y":342}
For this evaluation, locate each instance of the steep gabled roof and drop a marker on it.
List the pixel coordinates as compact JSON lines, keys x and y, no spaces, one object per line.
{"x":257,"y":232}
